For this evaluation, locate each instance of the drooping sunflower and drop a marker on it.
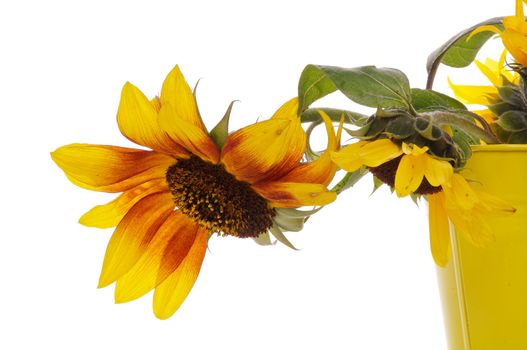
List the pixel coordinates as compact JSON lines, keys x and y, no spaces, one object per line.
{"x":188,"y":186}
{"x":406,"y":167}
{"x":412,"y":170}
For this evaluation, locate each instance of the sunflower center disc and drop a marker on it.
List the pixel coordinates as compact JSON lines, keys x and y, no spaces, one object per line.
{"x":216,"y":200}
{"x":386,"y":173}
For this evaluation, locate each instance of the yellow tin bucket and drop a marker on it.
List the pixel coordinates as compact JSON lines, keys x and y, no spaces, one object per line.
{"x":484,"y":290}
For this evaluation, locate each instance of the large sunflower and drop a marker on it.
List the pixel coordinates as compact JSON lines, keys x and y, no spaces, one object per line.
{"x":411,"y":169}
{"x":189,"y":186}
{"x":514,"y":34}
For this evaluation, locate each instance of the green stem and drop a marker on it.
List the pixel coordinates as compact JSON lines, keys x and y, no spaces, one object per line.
{"x":349,"y":180}
{"x":437,"y":56}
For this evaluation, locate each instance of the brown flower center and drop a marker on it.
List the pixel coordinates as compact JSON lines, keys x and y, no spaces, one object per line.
{"x":215,"y":199}
{"x":386,"y":173}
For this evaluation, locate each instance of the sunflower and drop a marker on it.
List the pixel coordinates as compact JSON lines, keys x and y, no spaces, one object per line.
{"x":407,"y":167}
{"x":514,"y":35}
{"x":411,"y":170}
{"x":188,"y":186}
{"x":498,"y":75}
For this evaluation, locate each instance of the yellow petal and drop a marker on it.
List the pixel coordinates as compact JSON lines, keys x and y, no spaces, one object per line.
{"x":483,"y":95}
{"x":486,"y":28}
{"x":266,"y":150}
{"x":177,"y":93}
{"x":461,"y":193}
{"x":322,"y":170}
{"x":161,"y":258}
{"x":494,"y":205}
{"x":437,"y":172}
{"x":473,"y":226}
{"x":138,"y":121}
{"x":292,"y":195}
{"x":486,"y":114}
{"x":491,"y":70}
{"x":378,"y":152}
{"x":439,"y":229}
{"x":133,"y":234}
{"x":409,"y":174}
{"x":348,"y":158}
{"x":109,"y":215}
{"x":288,"y":111}
{"x":414,"y":149}
{"x":169,"y":295}
{"x":516,"y":44}
{"x":110,"y":168}
{"x":188,"y":135}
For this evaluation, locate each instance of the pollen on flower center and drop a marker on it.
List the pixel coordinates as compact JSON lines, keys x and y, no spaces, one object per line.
{"x":386,"y":173}
{"x":215,"y":199}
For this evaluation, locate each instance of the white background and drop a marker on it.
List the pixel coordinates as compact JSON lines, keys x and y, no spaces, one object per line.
{"x":364,"y":277}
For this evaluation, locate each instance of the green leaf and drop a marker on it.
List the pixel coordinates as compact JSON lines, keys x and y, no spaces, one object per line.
{"x":464,"y":141}
{"x":458,"y":52}
{"x":313,"y":85}
{"x":376,"y":184}
{"x":463,"y":52}
{"x":279,"y":235}
{"x":263,"y":239}
{"x":513,"y":121}
{"x":371,"y":86}
{"x":220,"y":132}
{"x":295,"y":213}
{"x":424,"y":100}
{"x":289,"y":224}
{"x":313,"y":115}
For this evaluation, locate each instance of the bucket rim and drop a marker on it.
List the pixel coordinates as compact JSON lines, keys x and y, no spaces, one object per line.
{"x":500,"y":148}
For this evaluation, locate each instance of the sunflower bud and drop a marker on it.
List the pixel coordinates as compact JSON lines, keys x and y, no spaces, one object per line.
{"x":511,"y":125}
{"x":421,"y":130}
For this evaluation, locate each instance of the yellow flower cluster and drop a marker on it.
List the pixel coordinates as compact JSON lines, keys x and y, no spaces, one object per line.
{"x":191,"y":183}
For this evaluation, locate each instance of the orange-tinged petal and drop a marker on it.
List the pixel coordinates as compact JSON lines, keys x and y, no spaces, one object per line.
{"x":188,"y":135}
{"x":378,"y":152}
{"x":177,"y":93}
{"x":322,"y":170}
{"x":439,"y":229}
{"x":109,"y":215}
{"x":138,"y":121}
{"x":265,"y":150}
{"x":133,"y":235}
{"x":409,"y":174}
{"x":110,"y":168}
{"x":437,"y":172}
{"x":169,"y":295}
{"x":161,"y":258}
{"x":292,"y":195}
